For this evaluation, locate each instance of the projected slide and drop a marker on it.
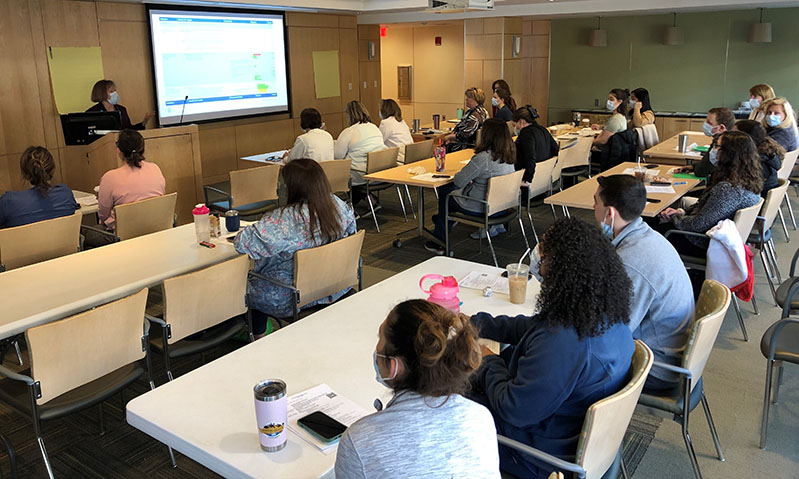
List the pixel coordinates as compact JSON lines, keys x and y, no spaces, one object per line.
{"x":217,"y":64}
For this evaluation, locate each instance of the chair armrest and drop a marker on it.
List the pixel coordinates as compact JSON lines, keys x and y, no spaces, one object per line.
{"x":151,"y":318}
{"x":684,"y":233}
{"x":542,"y":456}
{"x":793,"y":262}
{"x":452,"y":195}
{"x":792,"y":290}
{"x":675,"y":369}
{"x":4,"y":371}
{"x":102,"y":231}
{"x":253,"y":274}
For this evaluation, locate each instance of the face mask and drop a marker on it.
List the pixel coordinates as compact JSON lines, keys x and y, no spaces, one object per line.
{"x":378,"y":377}
{"x":113,"y":98}
{"x":516,"y":131}
{"x":713,"y":156}
{"x":494,"y":101}
{"x":607,"y":229}
{"x":535,"y":265}
{"x":610,"y":105}
{"x":754,"y":103}
{"x":773,"y":120}
{"x":631,"y":103}
{"x":707,"y":129}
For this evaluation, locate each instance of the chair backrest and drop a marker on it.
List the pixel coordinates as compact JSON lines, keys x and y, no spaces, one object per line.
{"x":606,"y":420}
{"x":194,"y":302}
{"x":745,"y":219}
{"x":511,"y":130}
{"x":327,"y":269}
{"x":503,"y":192}
{"x":788,"y":161}
{"x":650,"y":134}
{"x":145,"y":216}
{"x":338,"y":174}
{"x":478,"y":135}
{"x":639,"y":131}
{"x":714,"y":299}
{"x":576,"y":153}
{"x":254,"y":185}
{"x":771,"y":206}
{"x":543,"y":177}
{"x":40,"y":241}
{"x":69,"y":353}
{"x":381,"y":160}
{"x":418,"y":151}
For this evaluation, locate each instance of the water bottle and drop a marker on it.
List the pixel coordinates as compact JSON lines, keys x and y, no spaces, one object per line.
{"x":443,"y":293}
{"x":202,"y":222}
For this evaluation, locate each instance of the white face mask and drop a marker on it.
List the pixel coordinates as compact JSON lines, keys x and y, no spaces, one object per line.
{"x":535,"y":264}
{"x":516,"y":131}
{"x":113,"y":98}
{"x":611,"y":105}
{"x":494,"y":101}
{"x":378,"y":377}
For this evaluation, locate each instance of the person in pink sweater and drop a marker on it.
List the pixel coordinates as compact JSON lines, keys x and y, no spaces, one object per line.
{"x":135,"y":180}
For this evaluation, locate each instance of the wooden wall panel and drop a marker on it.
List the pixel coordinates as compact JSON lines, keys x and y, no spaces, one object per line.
{"x":263,"y":137}
{"x":75,"y":168}
{"x":540,"y":27}
{"x":218,"y":146}
{"x":482,"y":47}
{"x":69,"y":23}
{"x":348,"y":65}
{"x":301,"y":19}
{"x":348,"y":21}
{"x":473,"y":73}
{"x":43,"y":78}
{"x":121,"y":11}
{"x":473,"y":26}
{"x":493,"y":25}
{"x":303,"y":41}
{"x":369,"y":70}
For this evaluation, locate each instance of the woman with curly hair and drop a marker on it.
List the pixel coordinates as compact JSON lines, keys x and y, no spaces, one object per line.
{"x":575,"y":351}
{"x":769,"y":151}
{"x":736,"y":183}
{"x":425,"y":354}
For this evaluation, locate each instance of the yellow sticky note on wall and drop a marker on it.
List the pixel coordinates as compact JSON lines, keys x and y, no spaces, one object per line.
{"x":73,"y":73}
{"x":325,"y":74}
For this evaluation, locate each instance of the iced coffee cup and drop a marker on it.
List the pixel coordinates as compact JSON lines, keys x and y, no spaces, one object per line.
{"x":517,"y":282}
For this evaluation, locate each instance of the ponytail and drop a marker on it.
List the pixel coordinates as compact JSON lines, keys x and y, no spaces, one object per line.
{"x":131,"y":144}
{"x":37,"y":166}
{"x":622,"y":95}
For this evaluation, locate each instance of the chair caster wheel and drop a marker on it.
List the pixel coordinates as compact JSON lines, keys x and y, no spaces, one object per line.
{"x":397,"y":243}
{"x":451,"y":254}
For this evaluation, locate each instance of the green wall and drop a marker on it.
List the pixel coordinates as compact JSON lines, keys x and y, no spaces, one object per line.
{"x":714,"y":67}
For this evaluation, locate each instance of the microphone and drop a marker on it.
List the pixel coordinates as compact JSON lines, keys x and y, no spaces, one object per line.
{"x":183,"y":110}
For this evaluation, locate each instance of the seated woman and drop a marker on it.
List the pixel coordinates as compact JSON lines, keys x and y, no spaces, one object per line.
{"x":44,"y":200}
{"x":574,"y":352}
{"x":504,"y":85}
{"x":313,"y":216}
{"x":135,"y":180}
{"x":617,"y":105}
{"x":395,"y":131}
{"x":355,"y":142}
{"x":425,"y":355}
{"x":493,"y":156}
{"x":758,"y":96}
{"x":780,"y":123}
{"x":106,"y":98}
{"x":641,"y":108}
{"x":736,"y":183}
{"x":464,"y":134}
{"x":534,"y":143}
{"x":314,"y":143}
{"x":501,"y":100}
{"x":769,"y":151}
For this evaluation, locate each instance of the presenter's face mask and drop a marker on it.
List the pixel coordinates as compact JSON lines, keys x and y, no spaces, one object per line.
{"x":113,"y":98}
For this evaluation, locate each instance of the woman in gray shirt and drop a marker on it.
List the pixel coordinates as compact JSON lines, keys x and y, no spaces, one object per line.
{"x":425,"y":353}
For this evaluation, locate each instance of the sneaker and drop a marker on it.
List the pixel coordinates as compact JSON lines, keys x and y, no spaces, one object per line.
{"x":492,"y":231}
{"x":434,"y":247}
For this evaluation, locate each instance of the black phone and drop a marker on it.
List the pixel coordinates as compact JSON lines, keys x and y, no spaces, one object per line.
{"x":649,"y":167}
{"x":652,"y":200}
{"x":324,"y":427}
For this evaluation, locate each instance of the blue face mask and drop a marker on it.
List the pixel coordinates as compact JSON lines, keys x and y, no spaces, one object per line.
{"x":754,"y":103}
{"x":113,"y":98}
{"x":607,"y":229}
{"x":773,"y":120}
{"x":610,"y":105}
{"x":494,"y":101}
{"x":707,"y":129}
{"x":378,"y":377}
{"x":712,"y":155}
{"x":535,"y":265}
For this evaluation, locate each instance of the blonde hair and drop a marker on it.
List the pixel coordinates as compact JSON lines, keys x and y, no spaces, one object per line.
{"x":790,"y":117}
{"x":356,"y":113}
{"x":763,"y":91}
{"x":475,"y":94}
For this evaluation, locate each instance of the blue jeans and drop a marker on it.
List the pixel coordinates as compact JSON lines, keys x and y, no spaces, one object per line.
{"x":439,"y":220}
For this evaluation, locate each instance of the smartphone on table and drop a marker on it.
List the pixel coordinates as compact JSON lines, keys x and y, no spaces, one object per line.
{"x":322,"y":426}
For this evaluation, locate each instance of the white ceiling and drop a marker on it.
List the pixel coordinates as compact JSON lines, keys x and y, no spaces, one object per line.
{"x":402,"y":11}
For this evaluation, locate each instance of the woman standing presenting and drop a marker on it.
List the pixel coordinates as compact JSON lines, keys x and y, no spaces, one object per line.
{"x":104,"y":94}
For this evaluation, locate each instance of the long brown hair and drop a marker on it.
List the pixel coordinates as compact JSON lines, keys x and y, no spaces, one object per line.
{"x":389,"y":107}
{"x":765,"y":144}
{"x":738,"y":163}
{"x":438,"y":347}
{"x":495,"y":137}
{"x":307,"y":184}
{"x":356,"y":113}
{"x":131,"y":144}
{"x":37,"y":166}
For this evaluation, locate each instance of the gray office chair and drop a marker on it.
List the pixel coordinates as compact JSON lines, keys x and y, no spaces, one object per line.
{"x":780,"y":343}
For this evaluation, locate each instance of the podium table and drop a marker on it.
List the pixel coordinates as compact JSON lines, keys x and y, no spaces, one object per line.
{"x":176,"y":150}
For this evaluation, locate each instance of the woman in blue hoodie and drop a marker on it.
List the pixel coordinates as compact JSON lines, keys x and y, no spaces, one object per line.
{"x":575,"y":351}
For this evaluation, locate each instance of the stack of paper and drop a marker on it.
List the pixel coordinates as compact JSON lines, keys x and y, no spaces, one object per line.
{"x":478,"y":280}
{"x":321,"y":398}
{"x":88,"y":200}
{"x":431,"y":177}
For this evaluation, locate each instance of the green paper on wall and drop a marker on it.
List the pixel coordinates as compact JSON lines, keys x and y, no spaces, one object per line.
{"x":325,"y":74}
{"x":73,"y":73}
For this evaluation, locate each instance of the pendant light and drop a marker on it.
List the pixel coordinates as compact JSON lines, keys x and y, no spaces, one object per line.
{"x":598,"y":37}
{"x":760,"y":32}
{"x":674,"y":34}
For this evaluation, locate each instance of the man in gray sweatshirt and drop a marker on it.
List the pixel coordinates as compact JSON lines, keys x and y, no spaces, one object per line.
{"x":663,"y":302}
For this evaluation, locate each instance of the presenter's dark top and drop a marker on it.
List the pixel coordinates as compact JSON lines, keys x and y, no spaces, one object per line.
{"x":123,"y":113}
{"x":19,"y":208}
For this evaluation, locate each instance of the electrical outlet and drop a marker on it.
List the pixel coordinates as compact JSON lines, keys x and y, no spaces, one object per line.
{"x":375,"y":83}
{"x":364,"y":84}
{"x":596,"y":101}
{"x":350,"y":85}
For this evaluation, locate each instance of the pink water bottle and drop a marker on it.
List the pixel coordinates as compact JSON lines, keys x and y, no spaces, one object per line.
{"x":202,"y":222}
{"x":444,"y":293}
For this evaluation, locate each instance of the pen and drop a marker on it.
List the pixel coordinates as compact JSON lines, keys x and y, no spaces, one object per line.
{"x":680,"y":183}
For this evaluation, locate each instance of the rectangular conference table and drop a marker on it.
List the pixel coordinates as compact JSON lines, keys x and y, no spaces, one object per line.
{"x":400,"y":175}
{"x":54,"y":289}
{"x":666,"y":152}
{"x":208,"y":414}
{"x":581,"y":195}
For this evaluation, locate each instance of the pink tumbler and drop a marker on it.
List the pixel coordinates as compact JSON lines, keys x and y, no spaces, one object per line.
{"x":444,"y":293}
